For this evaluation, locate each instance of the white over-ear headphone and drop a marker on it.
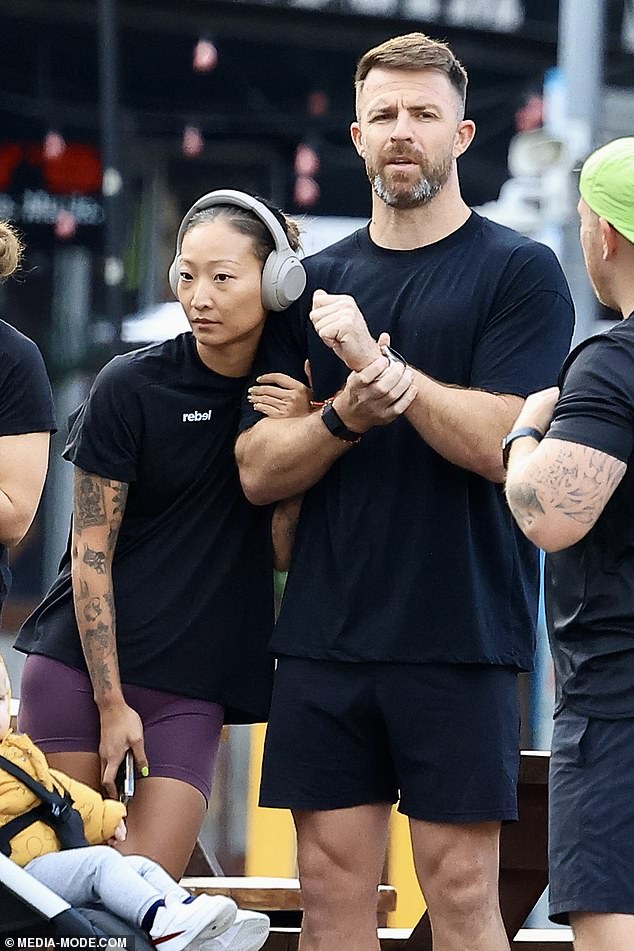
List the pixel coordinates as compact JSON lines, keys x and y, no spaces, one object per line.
{"x":283,"y":276}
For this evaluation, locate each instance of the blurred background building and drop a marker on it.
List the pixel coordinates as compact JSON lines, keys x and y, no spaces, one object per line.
{"x":116,"y":114}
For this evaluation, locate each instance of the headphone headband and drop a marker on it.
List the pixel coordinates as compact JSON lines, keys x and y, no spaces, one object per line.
{"x":283,"y":276}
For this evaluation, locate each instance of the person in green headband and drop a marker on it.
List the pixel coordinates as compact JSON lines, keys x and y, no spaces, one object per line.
{"x":572,"y":494}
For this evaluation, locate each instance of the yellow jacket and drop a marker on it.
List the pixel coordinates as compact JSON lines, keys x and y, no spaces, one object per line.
{"x":101,"y":816}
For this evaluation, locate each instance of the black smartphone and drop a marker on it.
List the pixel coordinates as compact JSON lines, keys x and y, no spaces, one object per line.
{"x":125,"y":777}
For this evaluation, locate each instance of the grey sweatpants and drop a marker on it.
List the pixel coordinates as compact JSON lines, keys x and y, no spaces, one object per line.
{"x":127,"y":885}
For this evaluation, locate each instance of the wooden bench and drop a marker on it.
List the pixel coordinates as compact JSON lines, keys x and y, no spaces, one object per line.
{"x":270,"y":894}
{"x":396,"y":939}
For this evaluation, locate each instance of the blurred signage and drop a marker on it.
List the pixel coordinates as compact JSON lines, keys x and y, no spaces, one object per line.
{"x":37,"y":188}
{"x":502,"y":16}
{"x":38,"y":207}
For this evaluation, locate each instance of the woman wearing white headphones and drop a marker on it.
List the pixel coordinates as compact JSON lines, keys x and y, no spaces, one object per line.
{"x":154,"y":633}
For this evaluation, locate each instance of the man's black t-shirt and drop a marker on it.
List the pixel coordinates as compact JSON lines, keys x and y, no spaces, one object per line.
{"x":26,"y":404}
{"x":590,"y":586}
{"x":192,"y":569}
{"x":399,"y":554}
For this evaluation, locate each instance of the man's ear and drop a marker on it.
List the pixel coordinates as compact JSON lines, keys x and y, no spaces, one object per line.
{"x":357,"y":138}
{"x":609,"y":239}
{"x":465,"y":134}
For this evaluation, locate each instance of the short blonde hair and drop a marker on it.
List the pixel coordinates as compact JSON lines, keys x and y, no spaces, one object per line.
{"x":414,"y":51}
{"x":11,"y":250}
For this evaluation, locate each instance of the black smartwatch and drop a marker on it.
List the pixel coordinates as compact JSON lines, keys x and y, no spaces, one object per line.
{"x":335,"y":425}
{"x":518,"y":434}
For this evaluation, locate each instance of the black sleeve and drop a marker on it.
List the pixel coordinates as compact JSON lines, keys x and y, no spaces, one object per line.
{"x":105,"y":433}
{"x":529,"y":330}
{"x":26,"y":400}
{"x":283,"y":349}
{"x":596,"y":406}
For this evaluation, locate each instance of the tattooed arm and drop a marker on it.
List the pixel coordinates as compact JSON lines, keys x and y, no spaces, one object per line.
{"x":557,"y":490}
{"x":98,"y":509}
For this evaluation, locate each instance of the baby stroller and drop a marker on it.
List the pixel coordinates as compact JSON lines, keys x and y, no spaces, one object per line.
{"x":30,"y":909}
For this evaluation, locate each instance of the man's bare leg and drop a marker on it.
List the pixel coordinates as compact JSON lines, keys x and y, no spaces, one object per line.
{"x":598,"y":932}
{"x":340,"y":855}
{"x":457,"y":867}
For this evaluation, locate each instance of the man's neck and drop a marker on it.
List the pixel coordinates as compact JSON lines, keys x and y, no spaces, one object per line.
{"x":406,"y":229}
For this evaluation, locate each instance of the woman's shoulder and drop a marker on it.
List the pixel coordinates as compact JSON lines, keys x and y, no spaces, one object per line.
{"x":151,"y":364}
{"x":16,"y":345}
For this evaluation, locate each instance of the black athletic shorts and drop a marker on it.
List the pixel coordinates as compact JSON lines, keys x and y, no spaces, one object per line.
{"x":591,"y":836}
{"x":442,"y":739}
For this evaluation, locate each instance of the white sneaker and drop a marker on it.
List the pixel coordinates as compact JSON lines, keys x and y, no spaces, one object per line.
{"x":248,"y":933}
{"x":178,"y":923}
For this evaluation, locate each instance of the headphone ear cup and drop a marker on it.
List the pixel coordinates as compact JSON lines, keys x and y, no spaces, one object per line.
{"x":172,"y":275}
{"x":283,"y":280}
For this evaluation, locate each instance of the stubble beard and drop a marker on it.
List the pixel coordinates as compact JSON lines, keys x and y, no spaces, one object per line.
{"x":398,"y":195}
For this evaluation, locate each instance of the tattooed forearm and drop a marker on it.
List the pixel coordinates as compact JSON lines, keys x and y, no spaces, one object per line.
{"x":97,"y":643}
{"x":577,"y":483}
{"x":524,"y":504}
{"x":92,"y":610}
{"x":95,"y":559}
{"x":98,"y":512}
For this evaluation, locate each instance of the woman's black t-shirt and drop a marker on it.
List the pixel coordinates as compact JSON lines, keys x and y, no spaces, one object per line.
{"x":26,"y":404}
{"x":192,"y":569}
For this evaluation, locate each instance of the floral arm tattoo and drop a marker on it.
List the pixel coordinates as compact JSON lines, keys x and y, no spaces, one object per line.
{"x":576,"y":484}
{"x":99,"y":505}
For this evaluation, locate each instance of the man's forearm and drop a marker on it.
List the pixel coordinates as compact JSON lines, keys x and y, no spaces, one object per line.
{"x":464,"y":426}
{"x":279,"y":458}
{"x":557,"y":490}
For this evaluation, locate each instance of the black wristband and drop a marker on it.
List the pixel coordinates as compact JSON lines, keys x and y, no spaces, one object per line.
{"x":335,"y":425}
{"x":517,"y":434}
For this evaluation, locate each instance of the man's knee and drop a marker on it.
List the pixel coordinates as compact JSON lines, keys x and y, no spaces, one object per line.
{"x":459,"y":870}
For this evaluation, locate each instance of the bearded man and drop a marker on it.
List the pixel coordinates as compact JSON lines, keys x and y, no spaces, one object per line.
{"x":411,"y":600}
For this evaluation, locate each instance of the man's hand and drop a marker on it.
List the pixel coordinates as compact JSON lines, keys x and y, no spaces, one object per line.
{"x":538,"y":409}
{"x":342,"y":327}
{"x":375,"y":396}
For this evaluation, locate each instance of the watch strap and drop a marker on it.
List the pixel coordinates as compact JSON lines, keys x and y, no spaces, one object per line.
{"x":335,"y":425}
{"x":393,"y":355}
{"x":518,"y":434}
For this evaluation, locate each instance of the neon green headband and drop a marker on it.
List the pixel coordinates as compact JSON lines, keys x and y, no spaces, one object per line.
{"x":607,"y":184}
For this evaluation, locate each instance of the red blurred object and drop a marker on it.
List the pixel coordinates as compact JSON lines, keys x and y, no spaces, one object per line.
{"x":531,"y":115}
{"x":306,"y":191}
{"x":193,"y":142}
{"x":306,"y":160}
{"x":205,"y":56}
{"x":26,"y":165}
{"x":318,"y":103}
{"x":65,"y":225}
{"x":54,"y":145}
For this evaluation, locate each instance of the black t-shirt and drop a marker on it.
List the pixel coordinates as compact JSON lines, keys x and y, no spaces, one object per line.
{"x":590,"y":586}
{"x":26,"y":404}
{"x":192,"y":569}
{"x":399,"y":554}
